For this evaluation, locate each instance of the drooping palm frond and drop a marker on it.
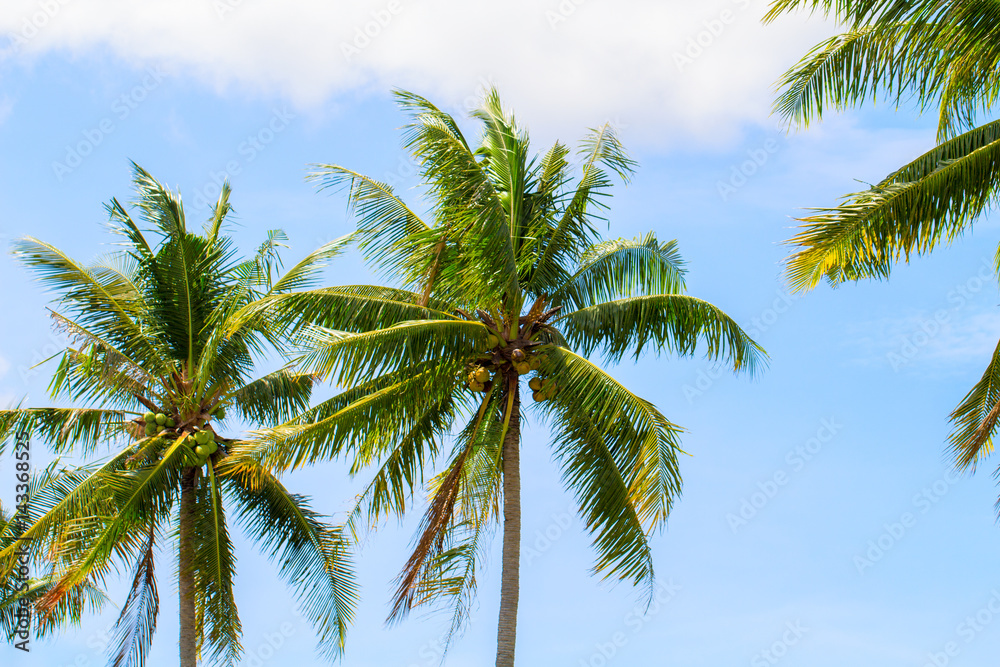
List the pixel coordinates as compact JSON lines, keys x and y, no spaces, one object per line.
{"x":427,"y":572}
{"x":619,"y":455}
{"x":675,"y":323}
{"x":215,"y":572}
{"x":401,"y":469}
{"x":313,"y":557}
{"x":63,"y":428}
{"x":136,"y":623}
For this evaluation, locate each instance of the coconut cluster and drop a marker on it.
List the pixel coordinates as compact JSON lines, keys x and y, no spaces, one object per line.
{"x":480,"y":375}
{"x":205,"y":445}
{"x":157,"y":423}
{"x":200,"y":440}
{"x":542,"y":389}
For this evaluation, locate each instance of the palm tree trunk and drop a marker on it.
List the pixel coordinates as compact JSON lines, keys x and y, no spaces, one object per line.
{"x":510,"y":577}
{"x":185,"y":563}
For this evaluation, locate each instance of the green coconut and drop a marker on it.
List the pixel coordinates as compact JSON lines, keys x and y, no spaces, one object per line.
{"x":212,"y":446}
{"x":202,"y":451}
{"x":534,"y":363}
{"x":149,"y":417}
{"x":522,"y":368}
{"x":538,"y":396}
{"x":517,"y":356}
{"x":150,"y":429}
{"x":535,"y":384}
{"x":161,"y":418}
{"x":482,"y":375}
{"x":492,"y":342}
{"x":201,"y":437}
{"x":171,"y":423}
{"x":220,"y":412}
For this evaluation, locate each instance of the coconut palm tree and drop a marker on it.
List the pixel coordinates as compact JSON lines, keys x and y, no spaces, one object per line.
{"x":505,"y":278}
{"x":153,"y":376}
{"x":941,"y":54}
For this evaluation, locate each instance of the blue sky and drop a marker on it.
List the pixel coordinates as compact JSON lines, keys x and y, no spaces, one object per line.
{"x":820,"y":523}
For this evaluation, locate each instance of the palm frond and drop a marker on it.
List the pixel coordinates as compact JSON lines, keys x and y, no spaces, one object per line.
{"x":386,"y":226}
{"x":371,"y":414}
{"x":136,"y":624}
{"x":975,"y":418}
{"x":623,"y":268}
{"x":567,"y":240}
{"x":927,"y":202}
{"x":619,"y":455}
{"x":350,"y":358}
{"x":65,"y":428}
{"x":215,"y":572}
{"x":313,"y":557}
{"x":676,"y":323}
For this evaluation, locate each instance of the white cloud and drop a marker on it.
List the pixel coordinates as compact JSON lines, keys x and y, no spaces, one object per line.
{"x":576,"y":62}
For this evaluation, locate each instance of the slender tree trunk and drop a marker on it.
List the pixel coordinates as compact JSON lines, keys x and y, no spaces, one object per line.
{"x":185,"y":562}
{"x":510,"y":578}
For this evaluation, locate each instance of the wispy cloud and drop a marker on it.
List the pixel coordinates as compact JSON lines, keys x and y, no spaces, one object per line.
{"x":926,"y":343}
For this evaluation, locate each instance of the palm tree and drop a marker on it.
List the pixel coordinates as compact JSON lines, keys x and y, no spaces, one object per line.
{"x":509,"y":278}
{"x":941,"y":53}
{"x":150,"y":362}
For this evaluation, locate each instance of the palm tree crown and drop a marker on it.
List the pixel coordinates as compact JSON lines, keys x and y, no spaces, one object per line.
{"x":939,"y":53}
{"x":507,"y":278}
{"x":156,"y":364}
